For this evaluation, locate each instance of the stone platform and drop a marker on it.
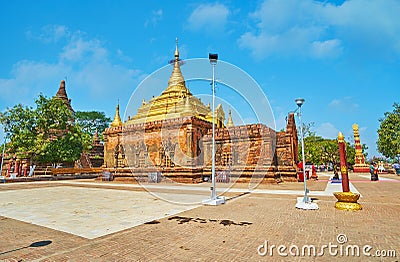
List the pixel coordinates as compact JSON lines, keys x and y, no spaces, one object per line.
{"x":235,"y":231}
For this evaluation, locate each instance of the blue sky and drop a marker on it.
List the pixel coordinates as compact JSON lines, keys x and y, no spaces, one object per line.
{"x":343,"y":57}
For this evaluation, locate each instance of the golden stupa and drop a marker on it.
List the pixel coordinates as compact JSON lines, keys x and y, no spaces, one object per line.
{"x":175,"y":101}
{"x":117,"y":119}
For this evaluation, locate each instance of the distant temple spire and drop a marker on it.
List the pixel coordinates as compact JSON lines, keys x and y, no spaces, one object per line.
{"x":230,"y":121}
{"x":96,"y":138}
{"x":359,"y":165}
{"x":117,"y":119}
{"x":62,"y":94}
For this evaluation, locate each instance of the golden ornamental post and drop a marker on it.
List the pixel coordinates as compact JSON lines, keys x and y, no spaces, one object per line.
{"x":343,"y":163}
{"x":347,"y":200}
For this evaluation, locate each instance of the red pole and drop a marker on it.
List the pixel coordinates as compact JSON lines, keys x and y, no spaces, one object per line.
{"x":16,"y":170}
{"x":343,"y":163}
{"x":24,"y":169}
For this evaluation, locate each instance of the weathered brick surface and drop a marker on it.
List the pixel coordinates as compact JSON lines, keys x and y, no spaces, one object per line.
{"x":186,"y":142}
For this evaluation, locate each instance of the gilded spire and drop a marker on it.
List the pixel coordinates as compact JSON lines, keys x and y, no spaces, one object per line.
{"x":174,"y":102}
{"x":176,"y":50}
{"x":230,"y":121}
{"x":187,"y":108}
{"x":176,"y":78}
{"x":117,"y":119}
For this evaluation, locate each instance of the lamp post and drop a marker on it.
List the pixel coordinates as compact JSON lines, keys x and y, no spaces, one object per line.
{"x":306,"y":201}
{"x":2,"y":158}
{"x":4,"y":147}
{"x":214,"y":199}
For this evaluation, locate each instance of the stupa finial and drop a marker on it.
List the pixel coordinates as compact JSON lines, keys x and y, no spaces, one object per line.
{"x":176,"y":76}
{"x":117,"y":119}
{"x":230,"y":121}
{"x":176,"y":50}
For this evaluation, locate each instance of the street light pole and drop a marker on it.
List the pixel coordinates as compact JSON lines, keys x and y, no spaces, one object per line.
{"x":2,"y":158}
{"x":306,"y":203}
{"x":4,"y":148}
{"x":214,"y":199}
{"x":213,"y":193}
{"x":306,"y":198}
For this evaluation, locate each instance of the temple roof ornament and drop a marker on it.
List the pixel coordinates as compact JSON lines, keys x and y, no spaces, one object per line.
{"x":230,"y":121}
{"x":219,"y":116}
{"x":117,"y":119}
{"x":62,"y":94}
{"x":355,"y":129}
{"x":359,"y":164}
{"x":176,"y":82}
{"x":174,"y":102}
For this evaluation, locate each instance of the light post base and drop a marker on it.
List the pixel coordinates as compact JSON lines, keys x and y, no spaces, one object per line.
{"x":219,"y":200}
{"x":301,"y":204}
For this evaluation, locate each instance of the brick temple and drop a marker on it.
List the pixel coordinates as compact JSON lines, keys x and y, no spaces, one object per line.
{"x":171,"y":134}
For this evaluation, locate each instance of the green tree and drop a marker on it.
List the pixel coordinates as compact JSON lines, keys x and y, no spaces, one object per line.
{"x":91,"y":121}
{"x":323,"y":151}
{"x":389,"y":133}
{"x":19,"y":125}
{"x":46,"y":134}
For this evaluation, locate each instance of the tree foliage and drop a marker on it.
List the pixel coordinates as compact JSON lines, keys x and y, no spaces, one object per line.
{"x":46,"y":134}
{"x":91,"y":121}
{"x":19,"y":124}
{"x":322,"y":151}
{"x":389,"y":133}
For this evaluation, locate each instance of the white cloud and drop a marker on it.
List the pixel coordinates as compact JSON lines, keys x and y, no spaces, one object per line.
{"x":156,"y":16}
{"x":49,"y":33}
{"x":369,"y":25}
{"x":209,"y":18}
{"x":78,"y":48}
{"x":29,"y":79}
{"x":345,"y":104}
{"x":321,"y":29}
{"x":328,"y":48}
{"x":92,"y":76}
{"x":327,"y":130}
{"x":123,"y":57}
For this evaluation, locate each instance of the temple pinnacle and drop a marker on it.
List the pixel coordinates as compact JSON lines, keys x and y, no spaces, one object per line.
{"x":176,"y":78}
{"x":117,"y":119}
{"x":62,"y":94}
{"x":230,"y":121}
{"x":176,"y":50}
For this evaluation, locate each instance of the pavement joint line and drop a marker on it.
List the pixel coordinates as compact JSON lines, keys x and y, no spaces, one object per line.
{"x":337,"y":187}
{"x":329,"y":190}
{"x":26,"y":210}
{"x":380,"y":178}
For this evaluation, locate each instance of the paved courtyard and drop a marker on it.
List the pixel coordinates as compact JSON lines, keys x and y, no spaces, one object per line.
{"x":87,"y":220}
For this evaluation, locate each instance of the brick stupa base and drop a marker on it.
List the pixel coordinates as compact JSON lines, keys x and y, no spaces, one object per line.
{"x":361,"y":168}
